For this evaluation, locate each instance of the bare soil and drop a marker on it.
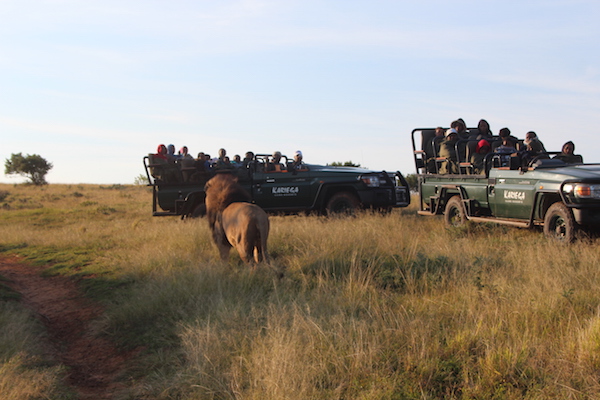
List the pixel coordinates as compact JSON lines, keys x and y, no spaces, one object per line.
{"x":95,"y":368}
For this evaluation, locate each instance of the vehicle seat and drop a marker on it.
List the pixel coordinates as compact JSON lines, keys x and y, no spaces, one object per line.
{"x":187,"y":167}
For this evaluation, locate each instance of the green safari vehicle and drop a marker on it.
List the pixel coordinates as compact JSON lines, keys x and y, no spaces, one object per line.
{"x":511,"y":189}
{"x":179,"y":190}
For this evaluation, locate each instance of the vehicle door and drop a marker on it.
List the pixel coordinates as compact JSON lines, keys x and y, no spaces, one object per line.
{"x":282,"y":190}
{"x":511,"y":194}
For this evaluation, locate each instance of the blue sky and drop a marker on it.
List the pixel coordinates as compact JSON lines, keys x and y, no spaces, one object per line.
{"x":93,"y":86}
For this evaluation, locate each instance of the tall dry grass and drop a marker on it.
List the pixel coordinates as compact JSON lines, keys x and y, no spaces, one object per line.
{"x":372,"y":307}
{"x":25,"y":372}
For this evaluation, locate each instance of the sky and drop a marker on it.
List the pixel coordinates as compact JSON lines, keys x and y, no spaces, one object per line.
{"x":93,"y":86}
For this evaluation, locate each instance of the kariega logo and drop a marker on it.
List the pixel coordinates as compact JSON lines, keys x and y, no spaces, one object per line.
{"x":285,"y":190}
{"x":514,"y":195}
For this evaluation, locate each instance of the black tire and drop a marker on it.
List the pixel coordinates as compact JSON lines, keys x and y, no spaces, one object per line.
{"x":559,"y":223}
{"x":454,"y":213}
{"x":342,"y":203}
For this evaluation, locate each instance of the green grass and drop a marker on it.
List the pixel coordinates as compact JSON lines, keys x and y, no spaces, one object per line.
{"x":373,"y":307}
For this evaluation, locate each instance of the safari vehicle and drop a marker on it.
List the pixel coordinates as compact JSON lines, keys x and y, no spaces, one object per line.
{"x":513,"y":190}
{"x":179,"y":190}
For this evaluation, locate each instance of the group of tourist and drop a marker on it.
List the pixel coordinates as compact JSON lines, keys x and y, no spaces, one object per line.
{"x":193,"y":169}
{"x":481,"y":142}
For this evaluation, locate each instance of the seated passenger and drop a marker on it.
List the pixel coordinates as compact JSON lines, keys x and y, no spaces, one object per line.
{"x":186,"y":163}
{"x":237,"y":161}
{"x":184,"y":154}
{"x":297,"y":164}
{"x":448,"y":151}
{"x":483,"y":132}
{"x":223,"y":161}
{"x":507,"y":141}
{"x":171,"y":156}
{"x":461,"y":128}
{"x":507,"y":146}
{"x":201,"y":174}
{"x":161,"y":153}
{"x":567,"y":154}
{"x":275,"y":164}
{"x":248,"y":158}
{"x":209,"y":163}
{"x":534,"y":145}
{"x":200,"y":162}
{"x":163,"y":169}
{"x":483,"y":128}
{"x":478,"y":158}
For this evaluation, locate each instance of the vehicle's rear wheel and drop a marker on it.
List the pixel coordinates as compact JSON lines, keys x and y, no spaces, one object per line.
{"x":342,"y":203}
{"x":559,"y":223}
{"x":454,"y":214}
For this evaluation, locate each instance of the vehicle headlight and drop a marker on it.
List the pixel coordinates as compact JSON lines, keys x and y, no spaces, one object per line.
{"x":371,"y":181}
{"x":583,"y":190}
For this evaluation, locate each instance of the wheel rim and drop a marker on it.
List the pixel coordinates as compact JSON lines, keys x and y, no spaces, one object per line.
{"x":455,"y":216}
{"x":560,"y":227}
{"x":340,"y":207}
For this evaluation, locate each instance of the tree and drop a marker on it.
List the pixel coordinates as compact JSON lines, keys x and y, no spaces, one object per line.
{"x":32,"y":166}
{"x":413,"y":181}
{"x":141,"y":179}
{"x":344,"y":164}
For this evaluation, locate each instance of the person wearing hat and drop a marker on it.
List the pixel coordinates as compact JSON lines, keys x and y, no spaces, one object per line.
{"x":448,"y":151}
{"x":478,"y":158}
{"x":297,"y":164}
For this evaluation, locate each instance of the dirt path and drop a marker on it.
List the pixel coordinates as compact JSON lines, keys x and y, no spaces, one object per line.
{"x":94,"y":364}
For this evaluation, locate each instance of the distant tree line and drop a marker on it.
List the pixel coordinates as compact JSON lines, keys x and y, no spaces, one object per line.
{"x":343,"y":164}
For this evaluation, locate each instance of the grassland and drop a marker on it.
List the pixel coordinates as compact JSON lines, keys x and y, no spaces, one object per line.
{"x":372,"y":307}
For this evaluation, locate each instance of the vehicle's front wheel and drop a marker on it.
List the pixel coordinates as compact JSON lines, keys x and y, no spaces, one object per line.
{"x":342,"y":203}
{"x":559,"y":223}
{"x":455,"y":214}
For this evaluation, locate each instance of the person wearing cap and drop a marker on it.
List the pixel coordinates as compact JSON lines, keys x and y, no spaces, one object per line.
{"x":448,"y":151}
{"x":297,"y":164}
{"x":478,"y":158}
